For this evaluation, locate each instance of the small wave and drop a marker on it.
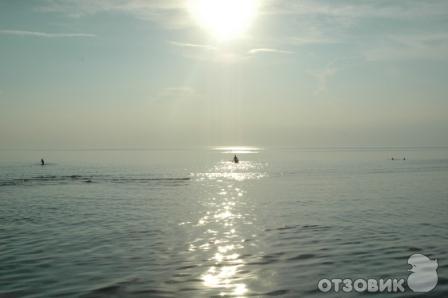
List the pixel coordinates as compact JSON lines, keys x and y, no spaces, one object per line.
{"x":276,"y":293}
{"x":268,"y":259}
{"x":299,"y":227}
{"x":123,"y":289}
{"x":67,"y":179}
{"x":302,"y":257}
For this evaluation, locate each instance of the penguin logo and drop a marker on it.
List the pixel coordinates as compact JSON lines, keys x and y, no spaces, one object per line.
{"x":424,"y":273}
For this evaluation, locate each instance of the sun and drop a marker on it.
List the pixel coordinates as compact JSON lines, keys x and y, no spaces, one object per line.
{"x":224,"y":19}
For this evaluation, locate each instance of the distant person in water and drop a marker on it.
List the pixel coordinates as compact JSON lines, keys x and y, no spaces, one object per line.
{"x":42,"y":162}
{"x":235,"y":159}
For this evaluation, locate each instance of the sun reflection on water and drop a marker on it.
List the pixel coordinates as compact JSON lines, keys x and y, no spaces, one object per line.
{"x":244,"y":170}
{"x":222,"y":225}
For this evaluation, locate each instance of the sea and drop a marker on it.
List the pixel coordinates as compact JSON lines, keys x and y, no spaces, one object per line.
{"x":286,"y":222}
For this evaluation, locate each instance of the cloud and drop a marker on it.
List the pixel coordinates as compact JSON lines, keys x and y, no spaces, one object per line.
{"x":222,"y":54}
{"x":169,"y":13}
{"x":361,"y":9}
{"x":427,"y":46}
{"x":311,"y":40}
{"x":268,"y":50}
{"x":193,"y":45}
{"x":209,"y":53}
{"x":364,"y":25}
{"x":194,"y":51}
{"x":177,"y":93}
{"x":309,"y":33}
{"x":351,"y":23}
{"x":44,"y":34}
{"x":322,"y":77}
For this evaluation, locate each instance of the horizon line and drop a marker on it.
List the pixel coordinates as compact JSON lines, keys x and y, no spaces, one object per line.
{"x":207,"y":147}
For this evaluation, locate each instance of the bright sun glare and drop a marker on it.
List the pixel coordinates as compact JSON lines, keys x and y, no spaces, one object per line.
{"x":224,"y":19}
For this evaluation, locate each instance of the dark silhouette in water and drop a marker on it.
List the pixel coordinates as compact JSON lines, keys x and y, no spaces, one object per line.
{"x":235,"y":159}
{"x":393,"y":158}
{"x":42,"y":162}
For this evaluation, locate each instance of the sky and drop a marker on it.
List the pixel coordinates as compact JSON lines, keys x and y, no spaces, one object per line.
{"x":170,"y":73}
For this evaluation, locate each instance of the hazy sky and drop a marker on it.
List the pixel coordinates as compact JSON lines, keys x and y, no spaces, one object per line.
{"x":158,"y":73}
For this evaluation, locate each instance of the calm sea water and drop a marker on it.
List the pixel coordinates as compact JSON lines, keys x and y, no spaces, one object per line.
{"x":189,"y":223}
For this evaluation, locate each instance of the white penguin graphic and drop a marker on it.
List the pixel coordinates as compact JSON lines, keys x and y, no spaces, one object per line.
{"x":424,"y":273}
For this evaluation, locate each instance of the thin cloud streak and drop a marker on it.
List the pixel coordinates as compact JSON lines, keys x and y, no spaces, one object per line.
{"x":44,"y":34}
{"x":193,"y":45}
{"x":268,"y":50}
